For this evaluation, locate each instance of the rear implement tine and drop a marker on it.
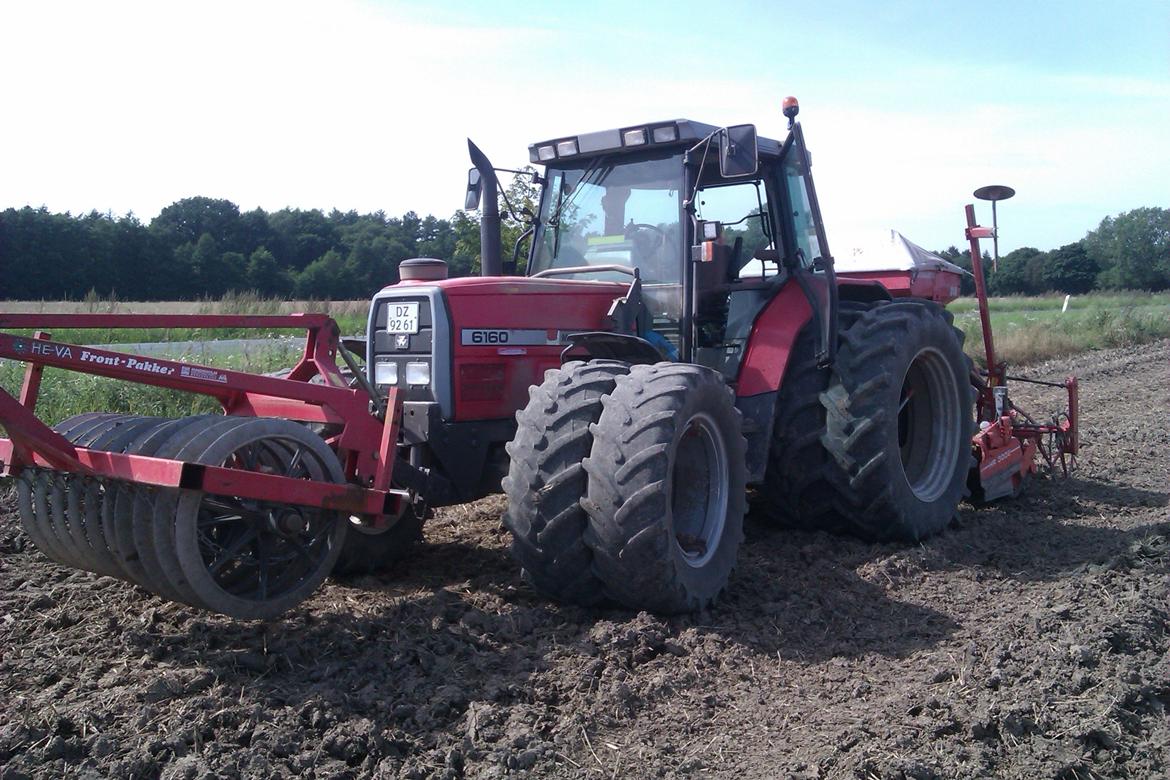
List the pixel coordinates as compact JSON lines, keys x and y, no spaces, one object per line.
{"x":25,"y":497}
{"x":68,"y":528}
{"x":43,"y":518}
{"x":94,"y":495}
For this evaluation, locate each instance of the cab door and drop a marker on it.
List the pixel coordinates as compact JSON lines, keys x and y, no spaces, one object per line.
{"x":805,"y":249}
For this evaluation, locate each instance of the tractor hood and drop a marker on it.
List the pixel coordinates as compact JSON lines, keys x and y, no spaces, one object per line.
{"x":519,"y":285}
{"x":477,"y":343}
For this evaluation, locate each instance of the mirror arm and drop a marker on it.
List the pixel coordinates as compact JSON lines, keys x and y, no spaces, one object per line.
{"x":513,"y":264}
{"x":689,"y":203}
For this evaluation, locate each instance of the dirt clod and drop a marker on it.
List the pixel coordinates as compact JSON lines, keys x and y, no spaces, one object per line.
{"x":1028,"y":641}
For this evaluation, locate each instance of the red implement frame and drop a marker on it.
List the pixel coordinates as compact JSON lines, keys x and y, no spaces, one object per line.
{"x":365,"y":444}
{"x":1009,"y":439}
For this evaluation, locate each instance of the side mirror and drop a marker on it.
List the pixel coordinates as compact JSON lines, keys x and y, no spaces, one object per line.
{"x":738,"y":153}
{"x":471,"y":200}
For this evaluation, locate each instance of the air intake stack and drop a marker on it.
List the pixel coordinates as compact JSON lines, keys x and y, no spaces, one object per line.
{"x":490,"y":252}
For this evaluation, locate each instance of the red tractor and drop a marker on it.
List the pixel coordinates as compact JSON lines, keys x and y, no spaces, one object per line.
{"x":681,"y":341}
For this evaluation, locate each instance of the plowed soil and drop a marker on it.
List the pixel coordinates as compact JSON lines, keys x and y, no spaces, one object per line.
{"x":1029,"y":640}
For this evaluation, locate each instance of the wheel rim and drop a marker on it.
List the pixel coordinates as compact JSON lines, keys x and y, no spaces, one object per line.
{"x":928,"y":429}
{"x":699,"y":491}
{"x":258,"y":551}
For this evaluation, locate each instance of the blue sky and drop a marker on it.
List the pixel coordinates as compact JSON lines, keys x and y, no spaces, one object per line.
{"x":908,"y":106}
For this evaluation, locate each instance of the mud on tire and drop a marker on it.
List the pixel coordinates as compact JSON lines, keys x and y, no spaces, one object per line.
{"x":666,"y":493}
{"x":797,"y":491}
{"x":898,"y":422}
{"x":546,"y":480}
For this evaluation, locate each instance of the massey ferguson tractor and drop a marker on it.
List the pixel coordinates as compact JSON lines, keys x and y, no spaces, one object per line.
{"x":680,"y":342}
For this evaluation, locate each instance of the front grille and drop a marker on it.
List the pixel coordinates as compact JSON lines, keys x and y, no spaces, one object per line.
{"x":401,"y":349}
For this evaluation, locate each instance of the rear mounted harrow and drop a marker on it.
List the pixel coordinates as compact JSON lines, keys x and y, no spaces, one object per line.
{"x":1010,"y":440}
{"x":243,"y":513}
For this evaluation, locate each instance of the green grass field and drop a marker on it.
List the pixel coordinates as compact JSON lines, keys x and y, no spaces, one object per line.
{"x":350,"y":317}
{"x":1031,"y":329}
{"x":65,"y":393}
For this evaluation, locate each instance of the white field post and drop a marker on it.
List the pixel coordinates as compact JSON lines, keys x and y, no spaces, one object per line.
{"x":1064,"y":308}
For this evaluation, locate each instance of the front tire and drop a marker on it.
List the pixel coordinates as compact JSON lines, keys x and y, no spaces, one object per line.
{"x":545,"y":479}
{"x":371,"y":550}
{"x":667,"y":483}
{"x":899,"y":421}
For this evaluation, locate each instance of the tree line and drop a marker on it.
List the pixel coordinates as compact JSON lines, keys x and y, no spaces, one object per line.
{"x":1128,"y":252}
{"x":200,"y":247}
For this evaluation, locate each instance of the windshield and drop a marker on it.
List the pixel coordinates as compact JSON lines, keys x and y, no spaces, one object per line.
{"x":614,"y":212}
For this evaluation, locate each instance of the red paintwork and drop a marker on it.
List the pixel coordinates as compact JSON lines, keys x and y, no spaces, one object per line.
{"x":931,"y":284}
{"x":492,"y":381}
{"x":1065,"y":432}
{"x":365,"y":444}
{"x":211,"y":479}
{"x":569,"y":305}
{"x":517,"y":285}
{"x":995,"y":371}
{"x":771,"y":340}
{"x":1001,"y":450}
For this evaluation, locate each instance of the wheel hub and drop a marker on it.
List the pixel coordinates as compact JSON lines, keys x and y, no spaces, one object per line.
{"x":289,"y":522}
{"x":928,"y":424}
{"x":699,"y":491}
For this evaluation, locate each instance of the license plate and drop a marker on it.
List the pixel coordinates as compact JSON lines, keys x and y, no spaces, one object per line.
{"x":402,"y":318}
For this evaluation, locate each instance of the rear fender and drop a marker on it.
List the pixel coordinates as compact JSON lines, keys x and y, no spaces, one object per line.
{"x":770,"y":343}
{"x":862,"y":290}
{"x":769,"y":348}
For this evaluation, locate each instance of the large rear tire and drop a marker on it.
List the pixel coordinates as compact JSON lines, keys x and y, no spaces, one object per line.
{"x":667,"y":482}
{"x":899,"y":421}
{"x":797,"y":491}
{"x":546,"y":480}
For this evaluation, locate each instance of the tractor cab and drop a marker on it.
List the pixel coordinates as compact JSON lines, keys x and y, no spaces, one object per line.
{"x":707,"y":222}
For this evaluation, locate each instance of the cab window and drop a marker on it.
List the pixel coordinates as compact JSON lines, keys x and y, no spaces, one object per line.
{"x":803,"y":222}
{"x":742,"y":208}
{"x":624,"y":213}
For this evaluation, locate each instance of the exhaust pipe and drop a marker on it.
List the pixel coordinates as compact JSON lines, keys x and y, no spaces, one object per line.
{"x":490,"y":243}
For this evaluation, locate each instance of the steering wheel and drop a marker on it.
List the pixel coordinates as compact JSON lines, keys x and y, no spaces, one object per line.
{"x":645,"y":246}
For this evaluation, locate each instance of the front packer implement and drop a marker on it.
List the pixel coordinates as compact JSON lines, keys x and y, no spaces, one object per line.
{"x":242,"y":513}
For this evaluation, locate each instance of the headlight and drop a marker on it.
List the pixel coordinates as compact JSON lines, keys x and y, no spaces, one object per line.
{"x":665,"y":134}
{"x":386,"y":373}
{"x":418,"y":373}
{"x":635,"y":137}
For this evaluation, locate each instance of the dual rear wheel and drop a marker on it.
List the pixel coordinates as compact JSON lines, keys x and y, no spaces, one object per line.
{"x":627,"y":483}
